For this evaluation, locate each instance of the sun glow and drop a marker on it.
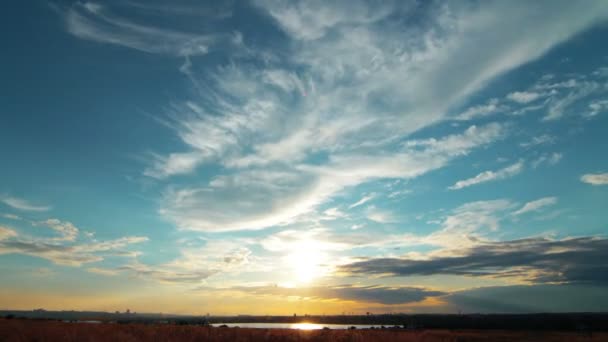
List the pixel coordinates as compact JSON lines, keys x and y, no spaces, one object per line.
{"x":307,"y":261}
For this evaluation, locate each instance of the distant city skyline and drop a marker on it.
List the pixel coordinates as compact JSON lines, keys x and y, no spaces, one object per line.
{"x":311,"y":157}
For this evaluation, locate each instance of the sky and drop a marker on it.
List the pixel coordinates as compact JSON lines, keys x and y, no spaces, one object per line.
{"x":310,"y":157}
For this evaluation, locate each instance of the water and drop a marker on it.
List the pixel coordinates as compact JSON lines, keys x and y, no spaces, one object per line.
{"x":299,"y":326}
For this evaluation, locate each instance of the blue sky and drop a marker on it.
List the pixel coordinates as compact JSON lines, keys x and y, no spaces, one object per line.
{"x":321,"y":157}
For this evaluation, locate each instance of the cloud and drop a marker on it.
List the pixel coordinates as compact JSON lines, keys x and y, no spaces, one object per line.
{"x":598,"y":106}
{"x":529,"y":299}
{"x":377,"y":215}
{"x":21,"y":204}
{"x":294,"y":123}
{"x":362,"y":201}
{"x":559,"y":105}
{"x":102,"y":271}
{"x":544,"y":139}
{"x":357,"y":69}
{"x":12,"y":217}
{"x":6,"y":233}
{"x":551,"y":159}
{"x":61,"y":254}
{"x":65,"y":249}
{"x":491,"y":107}
{"x":333,"y":213}
{"x":536,"y":205}
{"x":310,"y":20}
{"x":488,"y":176}
{"x":466,"y":225}
{"x":595,"y":178}
{"x":96,"y":22}
{"x":533,"y":260}
{"x":221,"y":10}
{"x":193,"y":266}
{"x":523,"y":97}
{"x":255,"y":199}
{"x":166,"y":275}
{"x":67,"y":230}
{"x":347,"y":292}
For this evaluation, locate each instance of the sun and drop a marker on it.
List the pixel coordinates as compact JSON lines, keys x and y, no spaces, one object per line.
{"x":307,"y":261}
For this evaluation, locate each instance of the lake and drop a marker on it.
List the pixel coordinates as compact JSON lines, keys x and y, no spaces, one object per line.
{"x":300,"y":326}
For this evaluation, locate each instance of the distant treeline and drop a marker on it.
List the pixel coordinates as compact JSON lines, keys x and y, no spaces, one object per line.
{"x":540,"y":321}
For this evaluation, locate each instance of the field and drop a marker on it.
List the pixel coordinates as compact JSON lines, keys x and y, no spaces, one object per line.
{"x":40,"y":330}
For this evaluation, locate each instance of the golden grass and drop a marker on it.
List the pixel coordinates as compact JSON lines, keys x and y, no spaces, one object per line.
{"x":40,"y":331}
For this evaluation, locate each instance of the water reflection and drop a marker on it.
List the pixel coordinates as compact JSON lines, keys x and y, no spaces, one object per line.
{"x":305,"y":326}
{"x":299,"y":326}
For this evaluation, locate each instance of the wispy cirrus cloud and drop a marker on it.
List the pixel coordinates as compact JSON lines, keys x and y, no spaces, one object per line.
{"x":249,"y":200}
{"x":467,"y":225}
{"x":22,"y":204}
{"x":362,"y":201}
{"x":536,"y":205}
{"x":544,"y":139}
{"x":493,"y":106}
{"x":193,"y":266}
{"x":297,"y":126}
{"x":12,"y":217}
{"x":98,"y":22}
{"x":547,"y":159}
{"x":488,"y":176}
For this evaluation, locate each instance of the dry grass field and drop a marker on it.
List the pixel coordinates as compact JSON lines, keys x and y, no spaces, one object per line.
{"x":39,"y":330}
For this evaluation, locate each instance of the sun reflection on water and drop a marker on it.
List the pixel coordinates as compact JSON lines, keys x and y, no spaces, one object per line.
{"x":306,"y":326}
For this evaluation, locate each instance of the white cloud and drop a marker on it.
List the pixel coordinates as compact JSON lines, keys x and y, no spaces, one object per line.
{"x":95,"y":22}
{"x":550,"y":159}
{"x":12,"y":217}
{"x":595,"y":178}
{"x":21,"y":204}
{"x":488,"y":176}
{"x":536,"y":205}
{"x":251,"y":199}
{"x":559,"y":105}
{"x":362,"y":201}
{"x":543,"y":139}
{"x":523,"y":96}
{"x":310,"y":20}
{"x":333,"y":213}
{"x":404,"y":69}
{"x":349,"y":88}
{"x":466,"y":225}
{"x":174,"y":164}
{"x":67,"y":230}
{"x":377,"y":215}
{"x":491,"y":107}
{"x":598,"y":106}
